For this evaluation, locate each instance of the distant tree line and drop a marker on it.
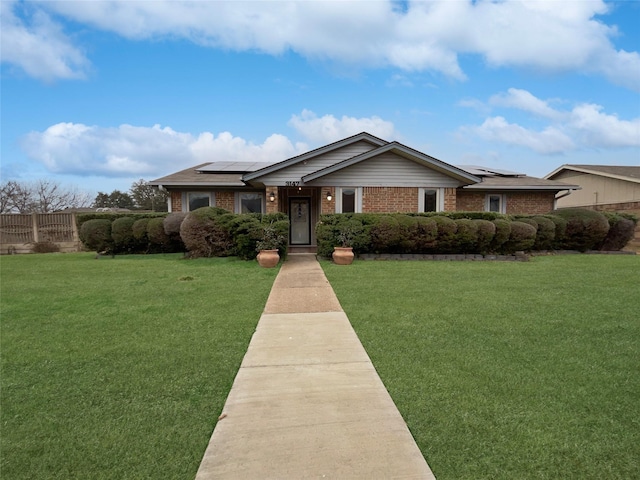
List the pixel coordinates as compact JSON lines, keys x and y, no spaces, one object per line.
{"x":47,"y":196}
{"x":141,"y":196}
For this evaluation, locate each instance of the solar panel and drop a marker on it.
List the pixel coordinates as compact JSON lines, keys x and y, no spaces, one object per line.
{"x":489,"y":171}
{"x":233,"y":167}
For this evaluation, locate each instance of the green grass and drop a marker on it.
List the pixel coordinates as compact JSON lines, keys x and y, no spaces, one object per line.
{"x":118,"y":368}
{"x":507,"y":370}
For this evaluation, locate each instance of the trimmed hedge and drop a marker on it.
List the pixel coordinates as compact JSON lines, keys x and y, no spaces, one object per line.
{"x":474,"y":232}
{"x":205,"y":232}
{"x":122,"y":235}
{"x":213,"y":231}
{"x":586,"y":229}
{"x":210,"y":231}
{"x":95,"y":234}
{"x":621,"y":230}
{"x":159,"y":241}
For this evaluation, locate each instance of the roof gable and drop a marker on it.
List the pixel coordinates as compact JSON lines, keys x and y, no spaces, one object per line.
{"x":361,"y":137}
{"x":627,"y":173}
{"x":403,"y":151}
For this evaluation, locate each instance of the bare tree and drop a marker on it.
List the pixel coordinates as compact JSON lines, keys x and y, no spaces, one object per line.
{"x":41,"y":196}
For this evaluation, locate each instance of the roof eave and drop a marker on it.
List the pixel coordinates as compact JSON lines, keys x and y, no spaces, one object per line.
{"x":313,"y":153}
{"x":399,"y":149}
{"x":592,"y":172}
{"x":197,"y":184}
{"x":556,"y":188}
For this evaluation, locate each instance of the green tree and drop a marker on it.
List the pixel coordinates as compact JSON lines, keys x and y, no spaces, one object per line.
{"x":147,"y":197}
{"x":115,"y":199}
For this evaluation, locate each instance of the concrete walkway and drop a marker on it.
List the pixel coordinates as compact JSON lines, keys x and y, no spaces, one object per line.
{"x":307,"y":402}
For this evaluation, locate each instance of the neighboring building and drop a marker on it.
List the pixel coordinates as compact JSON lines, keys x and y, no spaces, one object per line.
{"x":603,"y":187}
{"x":362,"y":173}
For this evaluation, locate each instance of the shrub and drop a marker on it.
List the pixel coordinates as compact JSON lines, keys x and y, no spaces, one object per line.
{"x":172,"y":224}
{"x":501,"y":237}
{"x":122,"y":234}
{"x":246,"y":230}
{"x":272,"y":237}
{"x":96,"y":235}
{"x":205,"y":232}
{"x":560,"y":231}
{"x":621,"y":231}
{"x":546,"y":233}
{"x":357,"y":226}
{"x":586,"y":229}
{"x":139,"y":230}
{"x":45,"y":247}
{"x":466,"y":235}
{"x":385,"y":235}
{"x":425,"y":234}
{"x":446,"y":234}
{"x":159,"y":241}
{"x":522,"y":237}
{"x":470,"y":215}
{"x":486,"y":232}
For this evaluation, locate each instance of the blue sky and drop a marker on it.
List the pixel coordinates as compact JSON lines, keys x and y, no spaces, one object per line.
{"x":99,"y":94}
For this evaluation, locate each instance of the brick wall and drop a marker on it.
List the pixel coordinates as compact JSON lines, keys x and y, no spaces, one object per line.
{"x":176,"y":201}
{"x":470,"y":201}
{"x":389,"y":199}
{"x":225,"y":200}
{"x":327,"y":206}
{"x":517,"y":203}
{"x":272,"y":207}
{"x":530,"y":202}
{"x":450,"y":199}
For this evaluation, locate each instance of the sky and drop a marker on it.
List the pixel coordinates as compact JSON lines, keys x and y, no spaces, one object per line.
{"x":99,"y":94}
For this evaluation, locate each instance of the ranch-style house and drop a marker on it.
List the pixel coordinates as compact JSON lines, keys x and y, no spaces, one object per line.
{"x":362,"y":173}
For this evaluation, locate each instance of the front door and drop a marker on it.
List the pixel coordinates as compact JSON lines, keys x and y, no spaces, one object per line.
{"x":300,"y":221}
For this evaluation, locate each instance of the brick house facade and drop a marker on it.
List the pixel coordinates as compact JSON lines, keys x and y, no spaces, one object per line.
{"x":362,"y":173}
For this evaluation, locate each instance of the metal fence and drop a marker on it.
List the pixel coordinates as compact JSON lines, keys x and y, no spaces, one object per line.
{"x":37,"y":227}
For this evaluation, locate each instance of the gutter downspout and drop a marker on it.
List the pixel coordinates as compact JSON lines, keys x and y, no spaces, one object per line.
{"x":162,"y":189}
{"x":558,"y":197}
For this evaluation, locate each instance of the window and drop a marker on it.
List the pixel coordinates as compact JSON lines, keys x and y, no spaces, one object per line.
{"x":348,"y":200}
{"x":495,"y":203}
{"x":250,"y":202}
{"x":430,"y":200}
{"x":197,"y":200}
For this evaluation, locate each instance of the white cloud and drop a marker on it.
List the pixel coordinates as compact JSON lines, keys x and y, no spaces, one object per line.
{"x":227,"y":147}
{"x":72,"y":148}
{"x":523,"y":100}
{"x":550,"y":36}
{"x":327,"y":129}
{"x":583,"y":127}
{"x":598,"y":129}
{"x":548,"y":141}
{"x":40,"y":48}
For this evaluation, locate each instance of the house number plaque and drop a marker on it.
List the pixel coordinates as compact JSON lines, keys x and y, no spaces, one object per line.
{"x":292,"y":184}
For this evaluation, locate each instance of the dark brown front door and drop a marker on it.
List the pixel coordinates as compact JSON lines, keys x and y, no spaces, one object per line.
{"x":300,"y":221}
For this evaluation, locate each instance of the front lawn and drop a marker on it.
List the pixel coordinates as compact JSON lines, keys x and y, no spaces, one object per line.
{"x":507,"y":370}
{"x":118,"y":368}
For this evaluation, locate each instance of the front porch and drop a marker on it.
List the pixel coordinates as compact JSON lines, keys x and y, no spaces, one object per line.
{"x":303,"y":205}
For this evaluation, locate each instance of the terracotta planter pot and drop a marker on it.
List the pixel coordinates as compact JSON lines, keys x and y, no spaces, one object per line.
{"x":342,"y":255}
{"x":268,"y":258}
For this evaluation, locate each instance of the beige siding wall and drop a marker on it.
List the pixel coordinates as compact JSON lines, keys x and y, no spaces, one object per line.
{"x":597,"y":190}
{"x":387,"y":170}
{"x":295,"y":172}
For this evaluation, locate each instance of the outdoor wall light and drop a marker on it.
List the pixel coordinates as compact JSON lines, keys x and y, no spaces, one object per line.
{"x":329,"y":197}
{"x":272,"y":197}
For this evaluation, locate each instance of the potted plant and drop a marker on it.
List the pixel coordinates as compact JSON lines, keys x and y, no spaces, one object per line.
{"x":343,"y":255}
{"x":268,"y":246}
